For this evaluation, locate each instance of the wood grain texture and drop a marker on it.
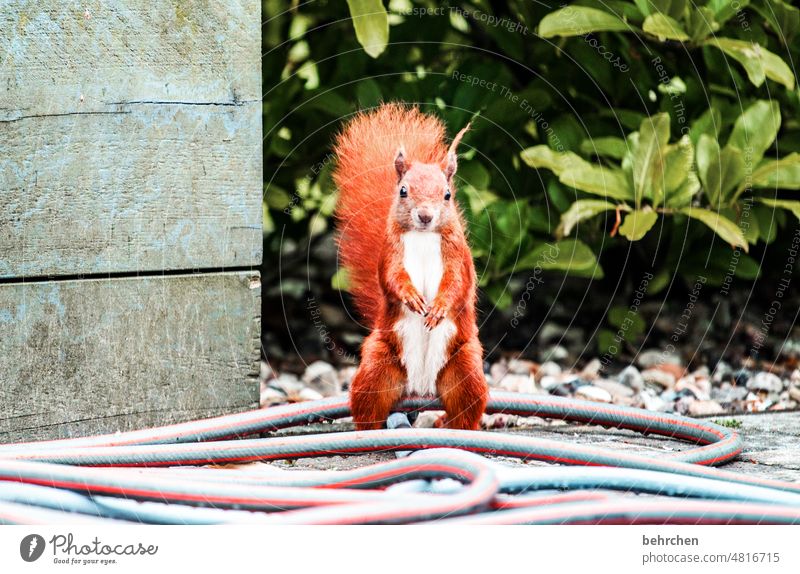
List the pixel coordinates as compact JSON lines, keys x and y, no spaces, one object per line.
{"x":130,"y":136}
{"x":101,"y":355}
{"x":81,"y":57}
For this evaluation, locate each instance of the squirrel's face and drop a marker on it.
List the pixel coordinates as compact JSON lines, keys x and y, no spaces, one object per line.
{"x":424,"y":196}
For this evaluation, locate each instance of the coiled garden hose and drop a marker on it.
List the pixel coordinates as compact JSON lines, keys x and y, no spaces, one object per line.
{"x":158,"y":468}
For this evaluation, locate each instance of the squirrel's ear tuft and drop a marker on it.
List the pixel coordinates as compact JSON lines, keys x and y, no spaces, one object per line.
{"x":452,"y":160}
{"x":400,"y":164}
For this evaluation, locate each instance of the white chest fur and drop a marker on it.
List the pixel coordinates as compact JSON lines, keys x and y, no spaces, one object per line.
{"x":424,"y":352}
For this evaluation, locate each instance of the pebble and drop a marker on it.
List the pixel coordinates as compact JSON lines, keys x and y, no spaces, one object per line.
{"x":499,"y":370}
{"x":617,"y":390}
{"x":309,"y":394}
{"x":592,"y":393}
{"x":676,"y":371}
{"x":346,"y":377}
{"x":287,"y":382}
{"x":270,"y":397}
{"x":794,"y":379}
{"x":550,"y":332}
{"x":498,"y":421}
{"x":695,"y":387}
{"x":658,"y":377}
{"x":653,"y":357}
{"x":323,"y":378}
{"x":522,"y":367}
{"x":704,"y":408}
{"x":794,"y":393}
{"x":722,"y":372}
{"x":518,"y":383}
{"x":561,"y":390}
{"x":548,"y":368}
{"x":784,"y":403}
{"x":427,"y":419}
{"x":592,"y":370}
{"x":741,"y":376}
{"x":756,"y":403}
{"x":728,"y":393}
{"x":631,"y":377}
{"x":651,"y":401}
{"x":764,"y":381}
{"x":549,"y":382}
{"x":683,"y":404}
{"x":554,"y":353}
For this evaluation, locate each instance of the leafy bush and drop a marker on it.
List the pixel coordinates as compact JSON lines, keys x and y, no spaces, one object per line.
{"x":665,"y":123}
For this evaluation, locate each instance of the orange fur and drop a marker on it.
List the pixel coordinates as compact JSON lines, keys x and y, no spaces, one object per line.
{"x":371,"y":220}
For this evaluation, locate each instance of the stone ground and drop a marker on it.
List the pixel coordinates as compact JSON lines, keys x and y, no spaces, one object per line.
{"x":771,"y":444}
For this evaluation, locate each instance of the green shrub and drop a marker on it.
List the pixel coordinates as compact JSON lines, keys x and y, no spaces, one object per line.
{"x":667,"y":123}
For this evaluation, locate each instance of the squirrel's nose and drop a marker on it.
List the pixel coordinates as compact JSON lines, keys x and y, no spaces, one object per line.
{"x":425,"y":217}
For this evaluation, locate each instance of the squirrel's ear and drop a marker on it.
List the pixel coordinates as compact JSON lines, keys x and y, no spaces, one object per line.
{"x":452,"y":160}
{"x":400,"y":163}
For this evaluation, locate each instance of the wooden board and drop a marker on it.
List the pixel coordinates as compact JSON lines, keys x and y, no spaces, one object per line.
{"x":101,"y":355}
{"x":130,"y":136}
{"x":90,"y":56}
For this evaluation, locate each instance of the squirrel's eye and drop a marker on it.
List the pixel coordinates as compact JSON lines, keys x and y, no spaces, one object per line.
{"x":447,"y":195}
{"x":403,"y":191}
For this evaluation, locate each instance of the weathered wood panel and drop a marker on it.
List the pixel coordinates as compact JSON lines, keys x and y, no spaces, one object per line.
{"x":130,"y":136}
{"x":149,"y":188}
{"x":101,"y":355}
{"x":61,"y":57}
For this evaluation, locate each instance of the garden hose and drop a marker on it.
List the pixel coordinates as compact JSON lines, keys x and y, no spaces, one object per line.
{"x":157,"y":467}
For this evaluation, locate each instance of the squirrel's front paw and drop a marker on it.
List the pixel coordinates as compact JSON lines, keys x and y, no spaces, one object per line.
{"x":435,"y":314}
{"x":413,"y":300}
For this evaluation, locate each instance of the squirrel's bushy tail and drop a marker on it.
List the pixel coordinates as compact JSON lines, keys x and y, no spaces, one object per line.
{"x":366,"y":179}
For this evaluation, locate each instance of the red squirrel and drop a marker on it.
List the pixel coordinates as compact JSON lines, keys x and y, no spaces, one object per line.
{"x":401,"y":239}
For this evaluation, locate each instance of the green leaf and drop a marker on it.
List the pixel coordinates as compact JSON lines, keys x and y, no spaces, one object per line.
{"x":579,"y":20}
{"x":682,"y":196}
{"x":576,"y":172}
{"x":637,"y":223}
{"x":598,"y":180}
{"x":606,"y":147}
{"x":678,"y":161}
{"x":570,"y":255}
{"x":648,"y":161}
{"x":756,"y":128}
{"x":721,"y":225}
{"x":542,"y":156}
{"x":783,"y":18}
{"x":368,"y":93}
{"x":580,"y":210}
{"x":748,"y":223}
{"x":499,"y":294}
{"x":701,"y":23}
{"x":630,"y":324}
{"x":724,"y":174}
{"x":672,"y":8}
{"x":607,"y":343}
{"x":708,"y":123}
{"x":758,"y":62}
{"x":341,"y":280}
{"x":725,"y":9}
{"x":664,"y":28}
{"x":277,"y":198}
{"x":371,"y":23}
{"x":781,"y":173}
{"x":747,"y":268}
{"x":767,"y":222}
{"x":707,"y":153}
{"x":789,"y":204}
